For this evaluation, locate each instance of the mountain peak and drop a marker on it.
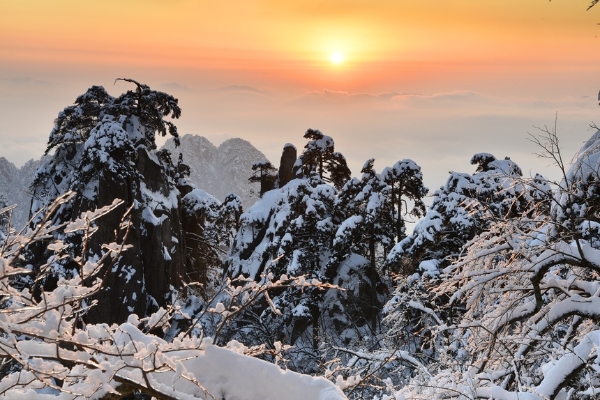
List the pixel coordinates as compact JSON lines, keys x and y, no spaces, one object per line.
{"x":219,"y":170}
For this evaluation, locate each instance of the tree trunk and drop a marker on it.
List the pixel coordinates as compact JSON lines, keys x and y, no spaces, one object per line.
{"x":372,"y":246}
{"x":315,"y":313}
{"x":321,"y":167}
{"x":399,"y":220}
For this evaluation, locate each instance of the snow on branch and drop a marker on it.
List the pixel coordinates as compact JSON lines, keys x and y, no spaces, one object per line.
{"x":53,"y":354}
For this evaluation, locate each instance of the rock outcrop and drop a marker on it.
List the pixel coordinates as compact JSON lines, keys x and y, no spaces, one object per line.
{"x":104,"y":150}
{"x":286,"y":164}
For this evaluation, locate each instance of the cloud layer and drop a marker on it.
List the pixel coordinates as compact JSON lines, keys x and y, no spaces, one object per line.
{"x":440,"y":131}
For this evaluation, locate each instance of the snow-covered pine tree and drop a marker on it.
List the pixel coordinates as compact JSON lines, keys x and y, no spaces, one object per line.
{"x":372,"y":210}
{"x":104,"y":149}
{"x":209,"y":227}
{"x":319,"y":156}
{"x":264,"y":173}
{"x":228,"y":219}
{"x":287,"y":233}
{"x":406,"y":187}
{"x":363,"y":233}
{"x":464,"y":207}
{"x":360,"y":209}
{"x":468,"y":205}
{"x":290,"y":233}
{"x":306,"y":207}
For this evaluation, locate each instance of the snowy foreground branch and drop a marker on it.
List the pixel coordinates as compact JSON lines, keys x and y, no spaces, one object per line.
{"x":109,"y":358}
{"x":529,"y":330}
{"x":48,"y":352}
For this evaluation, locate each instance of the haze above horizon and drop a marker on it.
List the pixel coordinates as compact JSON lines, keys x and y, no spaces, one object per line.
{"x":434,"y":84}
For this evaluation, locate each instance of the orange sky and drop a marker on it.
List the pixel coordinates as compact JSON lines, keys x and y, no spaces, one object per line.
{"x":525,"y":53}
{"x":292,"y":40}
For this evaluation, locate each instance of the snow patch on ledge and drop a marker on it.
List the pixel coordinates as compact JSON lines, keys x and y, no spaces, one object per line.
{"x":240,"y":377}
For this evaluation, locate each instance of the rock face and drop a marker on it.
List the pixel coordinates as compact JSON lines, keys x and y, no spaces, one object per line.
{"x":15,"y":188}
{"x":286,"y":164}
{"x":220,"y":170}
{"x":142,"y":277}
{"x":144,"y":274}
{"x":104,"y":150}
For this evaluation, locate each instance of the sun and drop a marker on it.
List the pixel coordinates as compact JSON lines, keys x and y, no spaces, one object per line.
{"x":337,"y":57}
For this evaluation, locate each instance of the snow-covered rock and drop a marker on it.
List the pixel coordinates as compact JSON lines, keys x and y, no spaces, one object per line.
{"x":577,"y":198}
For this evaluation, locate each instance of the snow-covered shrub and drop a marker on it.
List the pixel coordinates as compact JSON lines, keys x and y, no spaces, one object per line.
{"x":468,"y":205}
{"x":530,"y":287}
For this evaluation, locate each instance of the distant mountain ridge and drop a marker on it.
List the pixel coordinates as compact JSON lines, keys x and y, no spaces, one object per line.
{"x":220,"y":170}
{"x":216,"y":170}
{"x":14,"y":188}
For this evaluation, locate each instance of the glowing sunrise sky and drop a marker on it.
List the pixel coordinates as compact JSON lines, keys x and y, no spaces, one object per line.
{"x":432,"y":81}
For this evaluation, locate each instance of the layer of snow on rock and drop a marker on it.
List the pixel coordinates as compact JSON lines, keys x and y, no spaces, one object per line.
{"x":225,"y":373}
{"x":587,"y":159}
